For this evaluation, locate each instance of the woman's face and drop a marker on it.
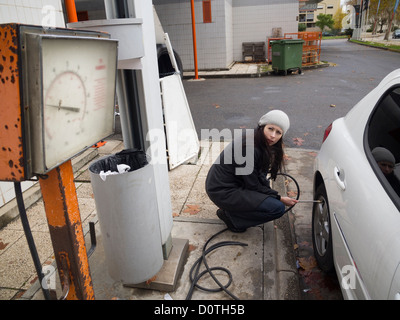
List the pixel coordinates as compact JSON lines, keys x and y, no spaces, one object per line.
{"x":272,"y":133}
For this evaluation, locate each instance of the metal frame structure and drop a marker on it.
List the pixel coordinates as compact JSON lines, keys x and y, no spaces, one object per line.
{"x":311,"y":47}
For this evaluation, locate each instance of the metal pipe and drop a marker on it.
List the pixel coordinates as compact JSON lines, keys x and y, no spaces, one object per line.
{"x":71,"y":10}
{"x":65,"y":226}
{"x":196,"y":71}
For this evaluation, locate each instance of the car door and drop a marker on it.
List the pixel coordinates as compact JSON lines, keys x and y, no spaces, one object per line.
{"x":363,"y":203}
{"x":395,"y":287}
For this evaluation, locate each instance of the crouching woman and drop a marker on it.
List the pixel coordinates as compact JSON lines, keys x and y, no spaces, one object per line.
{"x":240,"y":188}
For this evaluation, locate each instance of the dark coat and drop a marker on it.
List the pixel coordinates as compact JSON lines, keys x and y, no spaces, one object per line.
{"x":231,"y":190}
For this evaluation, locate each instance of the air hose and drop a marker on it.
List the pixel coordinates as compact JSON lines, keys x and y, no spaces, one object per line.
{"x":194,"y":278}
{"x":297,"y":186}
{"x":194,"y":274}
{"x":29,"y":238}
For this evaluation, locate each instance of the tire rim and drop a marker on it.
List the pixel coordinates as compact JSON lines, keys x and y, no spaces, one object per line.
{"x":321,"y":226}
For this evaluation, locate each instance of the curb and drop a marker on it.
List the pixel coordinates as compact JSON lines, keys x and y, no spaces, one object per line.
{"x":224,"y":74}
{"x":288,"y":286}
{"x":376,"y":47}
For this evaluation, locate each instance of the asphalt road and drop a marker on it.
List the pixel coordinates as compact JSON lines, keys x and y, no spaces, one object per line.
{"x":312,"y":100}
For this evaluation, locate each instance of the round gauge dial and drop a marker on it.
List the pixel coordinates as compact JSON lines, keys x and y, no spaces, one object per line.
{"x":75,"y":104}
{"x":65,"y":102}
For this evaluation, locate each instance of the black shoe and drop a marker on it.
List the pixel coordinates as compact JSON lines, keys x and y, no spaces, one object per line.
{"x":221,"y":214}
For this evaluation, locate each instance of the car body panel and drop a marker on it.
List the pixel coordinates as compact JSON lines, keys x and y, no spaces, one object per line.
{"x":365,"y":221}
{"x":351,"y":284}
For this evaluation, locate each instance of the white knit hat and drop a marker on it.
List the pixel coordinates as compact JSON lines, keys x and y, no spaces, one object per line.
{"x":276,"y":117}
{"x":383,"y":154}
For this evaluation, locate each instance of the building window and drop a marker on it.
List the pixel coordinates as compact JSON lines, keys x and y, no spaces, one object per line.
{"x":207,"y":11}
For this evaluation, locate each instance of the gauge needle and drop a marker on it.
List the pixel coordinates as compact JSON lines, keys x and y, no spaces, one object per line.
{"x":73,"y":109}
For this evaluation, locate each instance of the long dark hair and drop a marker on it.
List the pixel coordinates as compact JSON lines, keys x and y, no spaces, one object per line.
{"x":272,"y":156}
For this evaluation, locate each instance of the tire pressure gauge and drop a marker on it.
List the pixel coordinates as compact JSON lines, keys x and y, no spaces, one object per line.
{"x":57,"y":94}
{"x":71,"y":99}
{"x":62,"y":107}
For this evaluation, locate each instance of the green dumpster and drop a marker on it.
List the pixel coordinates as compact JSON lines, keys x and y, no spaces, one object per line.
{"x":287,"y":55}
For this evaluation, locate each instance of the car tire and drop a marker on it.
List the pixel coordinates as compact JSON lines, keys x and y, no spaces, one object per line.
{"x":321,"y":231}
{"x":165,"y":67}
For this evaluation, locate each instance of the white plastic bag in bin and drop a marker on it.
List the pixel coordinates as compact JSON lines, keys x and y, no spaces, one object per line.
{"x":128,"y":215}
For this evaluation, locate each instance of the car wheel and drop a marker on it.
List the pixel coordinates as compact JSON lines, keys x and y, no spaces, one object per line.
{"x":321,"y":231}
{"x":165,"y":67}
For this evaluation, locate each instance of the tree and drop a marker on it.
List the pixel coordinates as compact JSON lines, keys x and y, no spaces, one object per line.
{"x":324,"y":20}
{"x":338,"y":18}
{"x":390,"y":12}
{"x":302,"y":27}
{"x":381,"y":12}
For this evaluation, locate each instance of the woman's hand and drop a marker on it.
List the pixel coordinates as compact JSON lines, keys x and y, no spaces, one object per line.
{"x":288,"y":201}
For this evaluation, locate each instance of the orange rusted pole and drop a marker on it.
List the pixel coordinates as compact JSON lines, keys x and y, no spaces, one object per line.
{"x":64,"y":220}
{"x":71,"y":10}
{"x":196,"y":71}
{"x":63,"y":217}
{"x":12,"y":139}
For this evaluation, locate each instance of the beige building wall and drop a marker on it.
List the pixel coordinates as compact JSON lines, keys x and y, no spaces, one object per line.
{"x":310,"y":16}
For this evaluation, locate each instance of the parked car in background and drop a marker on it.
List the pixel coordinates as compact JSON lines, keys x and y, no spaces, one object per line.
{"x":327,"y":34}
{"x":396,"y":34}
{"x":356,"y":225}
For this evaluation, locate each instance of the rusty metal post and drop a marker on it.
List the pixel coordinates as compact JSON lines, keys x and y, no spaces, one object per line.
{"x":12,"y":138}
{"x":63,"y":217}
{"x":71,"y":10}
{"x":196,"y":70}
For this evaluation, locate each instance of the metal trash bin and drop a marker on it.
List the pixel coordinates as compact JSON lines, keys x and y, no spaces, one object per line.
{"x":128,"y":216}
{"x":287,"y":55}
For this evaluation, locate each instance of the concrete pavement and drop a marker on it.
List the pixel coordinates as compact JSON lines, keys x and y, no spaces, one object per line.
{"x":266,"y":269}
{"x":263,"y":270}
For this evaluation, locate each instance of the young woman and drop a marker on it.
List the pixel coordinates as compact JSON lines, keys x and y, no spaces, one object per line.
{"x":237,"y":181}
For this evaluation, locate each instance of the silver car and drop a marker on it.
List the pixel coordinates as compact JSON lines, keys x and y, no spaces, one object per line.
{"x":356,"y":223}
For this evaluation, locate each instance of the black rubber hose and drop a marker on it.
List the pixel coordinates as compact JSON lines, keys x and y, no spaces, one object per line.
{"x":297,"y":186}
{"x":29,"y":237}
{"x":195,"y":276}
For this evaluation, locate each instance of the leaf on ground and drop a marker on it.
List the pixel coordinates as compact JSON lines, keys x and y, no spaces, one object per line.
{"x":174,"y":214}
{"x":192,"y":209}
{"x":286,"y":157}
{"x":292,"y":194}
{"x":305,"y":243}
{"x":307,"y":263}
{"x":298,"y":141}
{"x":3,"y":245}
{"x":151,"y":280}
